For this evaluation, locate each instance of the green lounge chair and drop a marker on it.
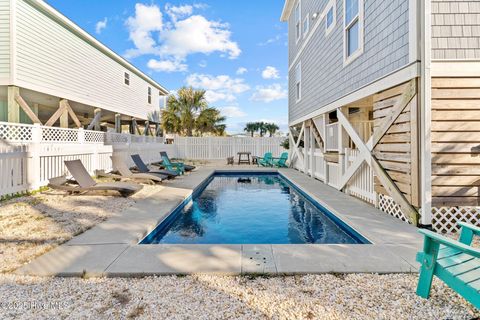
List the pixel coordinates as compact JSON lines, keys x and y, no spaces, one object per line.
{"x":456,"y":263}
{"x":282,"y":161}
{"x":266,"y":161}
{"x":170,"y":166}
{"x":187,"y":167}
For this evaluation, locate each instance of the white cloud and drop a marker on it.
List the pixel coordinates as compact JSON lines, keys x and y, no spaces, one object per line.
{"x":218,"y":88}
{"x":275,"y":39}
{"x":102,"y":24}
{"x":147,"y":19}
{"x":202,"y":64}
{"x":196,"y":34}
{"x":270,"y":73}
{"x":180,"y":35}
{"x":176,"y":12}
{"x":241,"y":70}
{"x":233,"y":112}
{"x":167,"y":65}
{"x":269,"y":93}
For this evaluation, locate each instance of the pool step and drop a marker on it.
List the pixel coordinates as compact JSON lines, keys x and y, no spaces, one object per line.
{"x":258,"y":259}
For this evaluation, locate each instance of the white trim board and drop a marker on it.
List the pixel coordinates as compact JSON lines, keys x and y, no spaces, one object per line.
{"x":455,"y":68}
{"x":395,"y":78}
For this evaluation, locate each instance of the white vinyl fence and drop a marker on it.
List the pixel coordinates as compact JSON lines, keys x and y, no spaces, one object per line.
{"x":211,"y":148}
{"x":30,"y":155}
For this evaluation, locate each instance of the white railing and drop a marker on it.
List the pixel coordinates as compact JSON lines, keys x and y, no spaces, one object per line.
{"x":320,"y":166}
{"x":361,"y":185}
{"x":333,"y":174}
{"x":13,"y":166}
{"x":222,"y":147}
{"x":331,"y":143}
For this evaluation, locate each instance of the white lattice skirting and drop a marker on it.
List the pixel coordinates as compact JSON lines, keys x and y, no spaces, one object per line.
{"x":444,"y":219}
{"x":387,"y":205}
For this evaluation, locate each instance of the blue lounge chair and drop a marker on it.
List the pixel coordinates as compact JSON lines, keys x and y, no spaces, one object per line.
{"x":266,"y":161}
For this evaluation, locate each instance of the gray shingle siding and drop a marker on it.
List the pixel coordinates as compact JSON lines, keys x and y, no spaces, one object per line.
{"x":455,"y":29}
{"x":324,"y":77}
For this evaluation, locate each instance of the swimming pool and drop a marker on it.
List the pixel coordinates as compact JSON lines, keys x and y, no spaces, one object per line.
{"x":251,"y":208}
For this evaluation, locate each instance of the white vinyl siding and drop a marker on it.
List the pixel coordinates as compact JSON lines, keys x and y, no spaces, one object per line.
{"x":4,"y":41}
{"x":53,"y":60}
{"x":306,"y":25}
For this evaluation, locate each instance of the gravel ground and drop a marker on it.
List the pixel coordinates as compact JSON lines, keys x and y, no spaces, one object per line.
{"x":30,"y":226}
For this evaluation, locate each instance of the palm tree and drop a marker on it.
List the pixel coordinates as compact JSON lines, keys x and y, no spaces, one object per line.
{"x":271,"y":128}
{"x":188,"y":113}
{"x":251,"y":127}
{"x":262,"y":128}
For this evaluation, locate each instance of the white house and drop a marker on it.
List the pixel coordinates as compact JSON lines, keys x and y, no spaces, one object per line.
{"x":53,"y":72}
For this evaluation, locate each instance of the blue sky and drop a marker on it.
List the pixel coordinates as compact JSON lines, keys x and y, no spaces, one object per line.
{"x":236,"y":50}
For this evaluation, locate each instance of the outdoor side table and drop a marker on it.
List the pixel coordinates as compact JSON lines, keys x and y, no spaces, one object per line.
{"x":244,"y":157}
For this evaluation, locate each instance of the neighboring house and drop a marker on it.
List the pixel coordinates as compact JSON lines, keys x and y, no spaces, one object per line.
{"x":65,"y":76}
{"x":383,"y":95}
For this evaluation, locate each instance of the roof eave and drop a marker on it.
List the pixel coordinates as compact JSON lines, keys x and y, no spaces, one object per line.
{"x":287,"y":10}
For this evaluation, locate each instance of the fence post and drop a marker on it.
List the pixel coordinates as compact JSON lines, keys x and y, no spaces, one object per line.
{"x":33,"y":174}
{"x":81,"y":136}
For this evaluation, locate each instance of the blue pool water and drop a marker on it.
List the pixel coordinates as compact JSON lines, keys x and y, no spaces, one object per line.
{"x":251,"y":209}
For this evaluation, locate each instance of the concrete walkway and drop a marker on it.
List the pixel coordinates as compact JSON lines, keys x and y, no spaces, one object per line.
{"x":111,"y":248}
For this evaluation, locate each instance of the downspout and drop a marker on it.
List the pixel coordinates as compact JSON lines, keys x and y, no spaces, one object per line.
{"x":425,"y":114}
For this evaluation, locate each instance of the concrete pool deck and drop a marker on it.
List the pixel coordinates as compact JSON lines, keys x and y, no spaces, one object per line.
{"x":111,"y":248}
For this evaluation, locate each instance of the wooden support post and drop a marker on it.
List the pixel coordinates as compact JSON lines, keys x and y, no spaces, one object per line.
{"x":35,"y":108}
{"x":26,"y":108}
{"x":71,"y":113}
{"x":118,"y":123}
{"x":158,"y":130}
{"x":306,"y":147}
{"x":135,"y":128}
{"x":13,"y":113}
{"x":64,"y":118}
{"x":98,"y":114}
{"x":147,"y":128}
{"x":56,"y":115}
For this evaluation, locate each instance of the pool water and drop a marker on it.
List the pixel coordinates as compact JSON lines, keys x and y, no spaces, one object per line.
{"x":251,"y":209}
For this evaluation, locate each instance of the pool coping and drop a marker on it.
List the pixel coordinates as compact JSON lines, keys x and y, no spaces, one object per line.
{"x":112,"y":247}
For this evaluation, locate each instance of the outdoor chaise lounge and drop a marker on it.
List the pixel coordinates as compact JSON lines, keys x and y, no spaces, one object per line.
{"x":266,"y":161}
{"x":456,"y":263}
{"x":185,"y":166}
{"x":282,"y":161}
{"x":125,"y":172}
{"x":143,"y":168}
{"x":85,"y":182}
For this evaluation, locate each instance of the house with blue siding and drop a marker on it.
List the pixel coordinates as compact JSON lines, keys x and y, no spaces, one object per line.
{"x":383,"y":103}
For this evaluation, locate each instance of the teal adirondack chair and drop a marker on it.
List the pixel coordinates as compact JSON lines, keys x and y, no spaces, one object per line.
{"x":266,"y":161}
{"x":456,"y":263}
{"x":282,"y":161}
{"x":173,"y":166}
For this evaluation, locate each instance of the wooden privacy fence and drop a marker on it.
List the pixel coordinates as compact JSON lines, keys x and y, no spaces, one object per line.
{"x":211,"y":148}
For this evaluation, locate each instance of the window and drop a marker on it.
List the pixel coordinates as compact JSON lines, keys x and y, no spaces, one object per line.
{"x":126,"y":78}
{"x":306,"y":25}
{"x":353,"y":35}
{"x":298,"y":18}
{"x":298,"y":82}
{"x":330,"y":17}
{"x":149,"y":95}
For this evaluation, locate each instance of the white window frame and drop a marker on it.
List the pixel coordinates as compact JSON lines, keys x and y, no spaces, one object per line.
{"x":307,"y":20}
{"x":299,"y":22}
{"x":331,"y":6}
{"x":126,"y":77}
{"x":298,"y":70}
{"x":360,"y":19}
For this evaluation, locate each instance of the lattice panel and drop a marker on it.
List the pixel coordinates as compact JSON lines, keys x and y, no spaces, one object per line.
{"x":56,"y":135}
{"x":444,"y":219}
{"x":94,"y":136}
{"x":15,"y":132}
{"x":388,"y":205}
